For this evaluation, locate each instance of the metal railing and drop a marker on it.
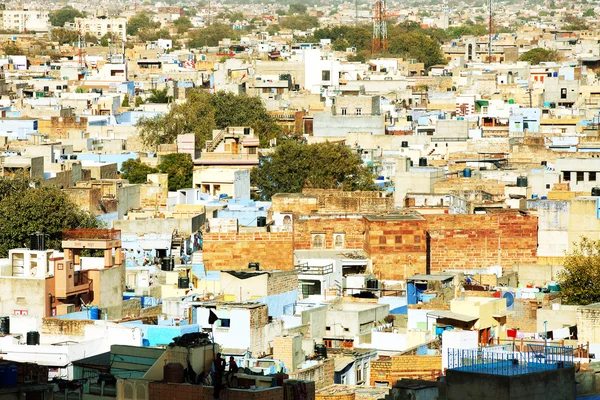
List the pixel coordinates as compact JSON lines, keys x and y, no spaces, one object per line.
{"x":210,"y":146}
{"x":498,"y":360}
{"x":305,"y":269}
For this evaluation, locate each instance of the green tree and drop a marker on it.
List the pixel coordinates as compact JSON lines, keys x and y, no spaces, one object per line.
{"x":64,"y":36}
{"x":211,"y":35}
{"x":89,"y":38}
{"x":64,"y":15}
{"x":135,"y":171}
{"x":294,"y":166}
{"x":125,"y":102}
{"x":183,"y":24}
{"x":538,"y":55}
{"x":12,"y":49}
{"x":142,"y":20}
{"x":196,"y":116}
{"x":107,"y":38}
{"x":297,"y":8}
{"x":301,"y":22}
{"x":580,"y":279}
{"x":138,"y":101}
{"x":27,"y":206}
{"x":159,"y":96}
{"x":280,"y":12}
{"x":180,"y":168}
{"x":589,"y":13}
{"x":202,"y":112}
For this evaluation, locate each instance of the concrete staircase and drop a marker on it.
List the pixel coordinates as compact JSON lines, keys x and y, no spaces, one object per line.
{"x":197,"y":258}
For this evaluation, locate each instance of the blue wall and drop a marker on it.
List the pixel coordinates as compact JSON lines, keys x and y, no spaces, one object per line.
{"x":108,"y":158}
{"x":277,"y":302}
{"x":155,"y":335}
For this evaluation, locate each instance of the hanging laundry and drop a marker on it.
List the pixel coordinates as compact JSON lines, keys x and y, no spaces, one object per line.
{"x":520,"y":335}
{"x":562,"y":333}
{"x":511,"y":333}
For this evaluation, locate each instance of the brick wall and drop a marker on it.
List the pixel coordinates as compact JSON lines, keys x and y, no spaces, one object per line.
{"x":321,"y":374}
{"x":69,"y":327}
{"x":472,"y":241}
{"x":233,"y":251}
{"x":331,"y":201}
{"x":396,"y":246}
{"x":406,"y":366}
{"x":351,"y":225}
{"x":281,"y":282}
{"x":295,"y":203}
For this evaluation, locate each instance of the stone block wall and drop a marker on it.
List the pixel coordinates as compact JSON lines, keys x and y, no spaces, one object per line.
{"x":233,"y":251}
{"x":351,"y":225}
{"x":397,"y":247}
{"x":281,"y":282}
{"x":398,"y":367}
{"x":474,"y":241}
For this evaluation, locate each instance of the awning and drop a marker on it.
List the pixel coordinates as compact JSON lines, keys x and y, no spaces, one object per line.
{"x":452,"y":315}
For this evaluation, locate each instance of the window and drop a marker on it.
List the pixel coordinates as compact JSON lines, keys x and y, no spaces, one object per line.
{"x":398,"y":239}
{"x":592,"y":177}
{"x":579,"y":176}
{"x":359,"y":374}
{"x":382,"y":240}
{"x":339,"y":241}
{"x":317,"y":241}
{"x":251,"y":150}
{"x":566,"y":176}
{"x":325,"y":75}
{"x":327,"y":328}
{"x":417,"y":239}
{"x":563,"y":93}
{"x":225,"y":322}
{"x":547,"y":186}
{"x":344,"y":379}
{"x":359,"y":111}
{"x":344,"y":111}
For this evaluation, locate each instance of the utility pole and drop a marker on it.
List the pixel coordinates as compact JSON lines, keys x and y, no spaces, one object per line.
{"x":529,"y":90}
{"x":490,"y":35}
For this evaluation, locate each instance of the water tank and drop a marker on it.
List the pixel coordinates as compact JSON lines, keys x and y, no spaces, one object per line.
{"x":37,"y":241}
{"x":254,"y":265}
{"x":94,"y":312}
{"x":321,"y":350}
{"x":521,"y":181}
{"x":167,"y":264}
{"x":422,"y":162}
{"x":183,"y":282}
{"x":33,"y":338}
{"x":596,"y":191}
{"x":405,"y":144}
{"x":545,"y":163}
{"x":4,"y":325}
{"x":372,"y":284}
{"x":467,"y":172}
{"x":261,"y":221}
{"x":409,"y":118}
{"x":173,"y":373}
{"x":246,"y":131}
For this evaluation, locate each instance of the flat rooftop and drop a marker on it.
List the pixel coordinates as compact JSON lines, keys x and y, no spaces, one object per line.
{"x":395,"y":217}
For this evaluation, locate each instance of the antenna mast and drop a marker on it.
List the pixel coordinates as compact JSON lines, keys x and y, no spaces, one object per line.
{"x":380,"y":39}
{"x":490,"y":34}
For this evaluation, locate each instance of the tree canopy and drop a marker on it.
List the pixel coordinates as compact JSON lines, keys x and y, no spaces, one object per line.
{"x":202,"y":112}
{"x":27,"y":207}
{"x":142,"y":20}
{"x":135,"y":171}
{"x":538,"y":55}
{"x":64,"y":36}
{"x":159,"y":96}
{"x":180,"y":168}
{"x":294,"y":166}
{"x":182,"y":24}
{"x":301,"y":22}
{"x":211,"y":35}
{"x":580,"y":279}
{"x":297,"y":8}
{"x":64,"y":15}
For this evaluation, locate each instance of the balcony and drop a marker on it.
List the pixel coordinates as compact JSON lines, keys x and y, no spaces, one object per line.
{"x":305,"y":269}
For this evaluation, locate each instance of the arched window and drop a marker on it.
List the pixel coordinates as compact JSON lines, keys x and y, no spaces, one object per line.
{"x":317,"y":242}
{"x":339,"y":241}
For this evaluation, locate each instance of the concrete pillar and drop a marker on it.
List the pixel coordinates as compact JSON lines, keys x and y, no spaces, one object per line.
{"x":118,"y":256}
{"x":76,"y":256}
{"x":68,"y":255}
{"x":108,"y":262}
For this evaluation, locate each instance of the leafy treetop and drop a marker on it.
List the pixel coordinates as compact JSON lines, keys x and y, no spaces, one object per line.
{"x":580,"y":279}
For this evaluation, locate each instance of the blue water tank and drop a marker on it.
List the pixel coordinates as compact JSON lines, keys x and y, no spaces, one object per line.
{"x":467,"y":172}
{"x":94,"y":312}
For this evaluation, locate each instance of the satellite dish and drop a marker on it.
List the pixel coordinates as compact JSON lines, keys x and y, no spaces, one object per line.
{"x":510,"y":299}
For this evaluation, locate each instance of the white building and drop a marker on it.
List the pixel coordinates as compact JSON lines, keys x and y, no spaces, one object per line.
{"x":21,"y":20}
{"x":101,"y":26}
